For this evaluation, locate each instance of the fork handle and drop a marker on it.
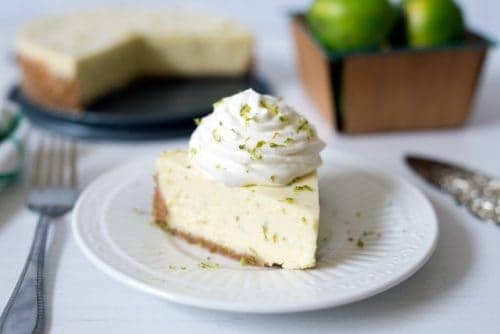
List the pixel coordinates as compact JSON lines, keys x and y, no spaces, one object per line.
{"x":25,"y":311}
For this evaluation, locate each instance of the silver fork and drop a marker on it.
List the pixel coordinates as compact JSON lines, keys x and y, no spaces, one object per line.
{"x":53,"y":193}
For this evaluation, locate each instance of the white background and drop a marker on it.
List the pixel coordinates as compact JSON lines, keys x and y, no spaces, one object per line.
{"x":458,"y":291}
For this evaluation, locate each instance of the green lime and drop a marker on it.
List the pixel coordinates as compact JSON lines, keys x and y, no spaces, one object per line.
{"x":345,"y":25}
{"x":433,"y":22}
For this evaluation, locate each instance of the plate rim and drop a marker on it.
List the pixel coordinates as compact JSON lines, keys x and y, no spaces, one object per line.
{"x":65,"y":116}
{"x":227,"y":306}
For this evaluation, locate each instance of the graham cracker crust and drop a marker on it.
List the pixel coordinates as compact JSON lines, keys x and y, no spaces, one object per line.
{"x":51,"y":91}
{"x":42,"y":86}
{"x":160,"y":213}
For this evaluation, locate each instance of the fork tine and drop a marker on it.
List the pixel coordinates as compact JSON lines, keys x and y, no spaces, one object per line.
{"x":72,"y":169}
{"x":66,"y":161}
{"x":49,"y":163}
{"x":61,"y":162}
{"x":55,"y":163}
{"x":37,"y":172}
{"x":52,"y":165}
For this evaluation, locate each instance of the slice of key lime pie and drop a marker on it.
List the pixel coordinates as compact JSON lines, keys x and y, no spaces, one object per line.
{"x":247,"y":187}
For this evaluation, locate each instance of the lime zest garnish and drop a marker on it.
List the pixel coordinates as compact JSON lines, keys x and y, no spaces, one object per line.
{"x":283,"y":119}
{"x":303,"y":125}
{"x":218,"y":103}
{"x":302,"y":188}
{"x":253,"y":152}
{"x":264,"y":232}
{"x":244,"y":113}
{"x":216,"y":136}
{"x":272,"y":108}
{"x":260,"y":143}
{"x":289,"y":200}
{"x":254,"y":155}
{"x":275,"y":145}
{"x":208,"y":265}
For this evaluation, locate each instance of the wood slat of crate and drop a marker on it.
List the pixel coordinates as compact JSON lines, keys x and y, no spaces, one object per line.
{"x":391,"y":90}
{"x":314,"y":68}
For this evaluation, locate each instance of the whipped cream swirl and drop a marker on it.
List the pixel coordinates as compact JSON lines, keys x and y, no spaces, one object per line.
{"x":254,"y":139}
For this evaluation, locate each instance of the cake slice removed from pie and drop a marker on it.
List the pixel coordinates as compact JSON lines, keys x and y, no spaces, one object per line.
{"x":260,"y":225}
{"x":247,"y":188}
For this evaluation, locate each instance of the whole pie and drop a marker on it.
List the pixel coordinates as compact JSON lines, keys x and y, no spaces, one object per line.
{"x":247,"y":187}
{"x":69,"y":61}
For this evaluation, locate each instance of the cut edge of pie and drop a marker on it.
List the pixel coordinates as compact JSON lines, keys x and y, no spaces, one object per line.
{"x":159,"y":212}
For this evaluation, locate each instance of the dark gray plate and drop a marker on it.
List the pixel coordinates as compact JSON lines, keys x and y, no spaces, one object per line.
{"x":148,"y":109}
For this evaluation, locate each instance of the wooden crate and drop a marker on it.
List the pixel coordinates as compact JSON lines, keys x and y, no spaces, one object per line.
{"x":390,"y":90}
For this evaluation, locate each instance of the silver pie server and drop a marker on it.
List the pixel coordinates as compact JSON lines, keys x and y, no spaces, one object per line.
{"x":476,"y":191}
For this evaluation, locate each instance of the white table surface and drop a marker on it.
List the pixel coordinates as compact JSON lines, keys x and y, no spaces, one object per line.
{"x":458,"y":291}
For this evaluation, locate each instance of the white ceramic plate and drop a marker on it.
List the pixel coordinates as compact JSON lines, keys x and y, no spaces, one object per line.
{"x":375,"y":231}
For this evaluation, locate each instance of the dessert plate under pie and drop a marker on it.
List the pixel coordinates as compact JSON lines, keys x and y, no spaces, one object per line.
{"x":151,"y":109}
{"x":376,"y":230}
